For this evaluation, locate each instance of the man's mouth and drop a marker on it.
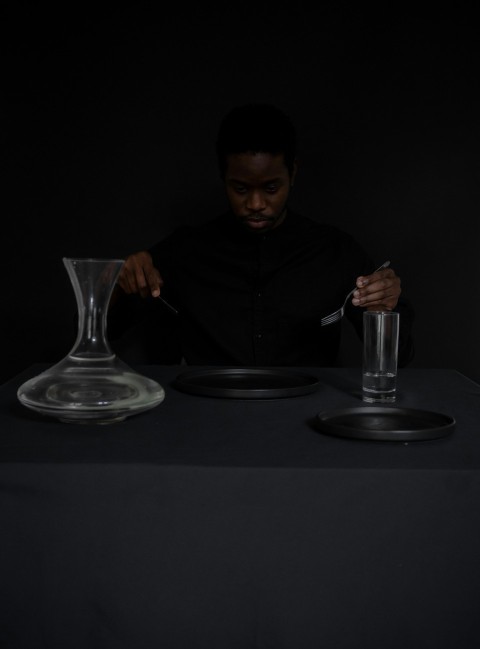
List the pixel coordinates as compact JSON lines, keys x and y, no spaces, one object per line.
{"x":258,"y":221}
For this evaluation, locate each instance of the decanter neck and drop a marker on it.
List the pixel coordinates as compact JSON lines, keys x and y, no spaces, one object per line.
{"x":93,"y":281}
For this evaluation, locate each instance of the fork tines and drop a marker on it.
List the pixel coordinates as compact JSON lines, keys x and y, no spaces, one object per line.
{"x":331,"y":319}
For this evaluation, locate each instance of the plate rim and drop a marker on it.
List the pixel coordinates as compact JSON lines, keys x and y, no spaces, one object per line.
{"x":400,"y":435}
{"x":180,"y":382}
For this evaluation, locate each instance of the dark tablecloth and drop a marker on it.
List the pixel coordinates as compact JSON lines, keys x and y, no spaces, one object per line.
{"x":211,"y":522}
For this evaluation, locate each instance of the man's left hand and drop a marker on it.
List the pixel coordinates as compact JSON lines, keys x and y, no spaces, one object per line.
{"x":379,"y":291}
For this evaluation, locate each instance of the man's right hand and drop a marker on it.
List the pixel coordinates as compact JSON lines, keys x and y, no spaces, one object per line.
{"x":139,"y":275}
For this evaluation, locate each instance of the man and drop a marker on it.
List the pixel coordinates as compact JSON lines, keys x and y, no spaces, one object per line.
{"x":252,"y":285}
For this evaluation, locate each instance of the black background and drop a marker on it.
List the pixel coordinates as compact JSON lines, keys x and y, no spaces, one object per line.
{"x":109,"y":122}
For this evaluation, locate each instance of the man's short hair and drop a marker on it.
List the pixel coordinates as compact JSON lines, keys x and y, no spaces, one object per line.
{"x":256,"y":128}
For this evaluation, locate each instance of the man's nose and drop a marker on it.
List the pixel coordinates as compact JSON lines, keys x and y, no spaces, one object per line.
{"x":255,"y":201}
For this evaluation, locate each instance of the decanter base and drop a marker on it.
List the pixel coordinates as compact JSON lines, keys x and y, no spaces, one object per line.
{"x":72,"y":420}
{"x":86,"y":395}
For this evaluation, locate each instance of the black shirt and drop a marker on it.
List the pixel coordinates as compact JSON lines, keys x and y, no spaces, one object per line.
{"x":252,"y":299}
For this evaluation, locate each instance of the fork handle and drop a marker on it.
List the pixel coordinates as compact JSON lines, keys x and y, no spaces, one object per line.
{"x":384,"y":265}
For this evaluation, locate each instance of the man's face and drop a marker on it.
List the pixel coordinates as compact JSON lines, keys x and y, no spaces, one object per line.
{"x":258,"y":185}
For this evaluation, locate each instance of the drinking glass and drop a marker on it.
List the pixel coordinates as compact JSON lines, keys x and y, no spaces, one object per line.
{"x":380,"y":356}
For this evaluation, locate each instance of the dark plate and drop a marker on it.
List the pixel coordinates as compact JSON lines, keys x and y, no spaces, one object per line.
{"x":245,"y":383}
{"x":385,"y":423}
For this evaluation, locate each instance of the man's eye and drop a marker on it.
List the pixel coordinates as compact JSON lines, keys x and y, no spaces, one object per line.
{"x":271,"y":189}
{"x":240,"y":189}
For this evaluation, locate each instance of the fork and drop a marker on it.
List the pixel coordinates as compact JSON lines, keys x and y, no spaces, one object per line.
{"x":338,"y":314}
{"x":167,"y":304}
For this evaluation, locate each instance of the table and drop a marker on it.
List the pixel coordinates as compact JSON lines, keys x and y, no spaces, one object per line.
{"x":226,"y":523}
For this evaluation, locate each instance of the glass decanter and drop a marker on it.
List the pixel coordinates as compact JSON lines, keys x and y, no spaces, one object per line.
{"x":91,"y":384}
